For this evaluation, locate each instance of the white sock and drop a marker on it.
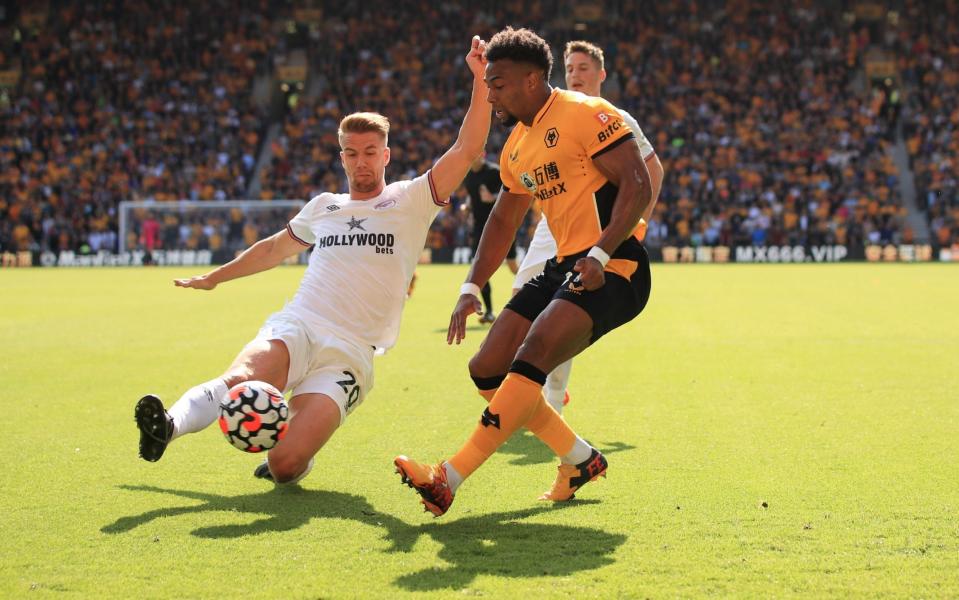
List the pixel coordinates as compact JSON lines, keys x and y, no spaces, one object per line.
{"x":579,"y":453}
{"x":198,"y":407}
{"x":453,"y":478}
{"x":556,"y":382}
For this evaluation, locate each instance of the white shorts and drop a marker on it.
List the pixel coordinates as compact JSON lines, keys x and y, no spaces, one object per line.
{"x":322,"y":362}
{"x":541,"y":248}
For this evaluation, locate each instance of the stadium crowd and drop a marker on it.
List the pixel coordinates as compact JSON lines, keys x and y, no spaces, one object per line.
{"x":767,"y":128}
{"x":929,"y":51}
{"x":754,"y":156}
{"x":786,"y":151}
{"x":127,"y":100}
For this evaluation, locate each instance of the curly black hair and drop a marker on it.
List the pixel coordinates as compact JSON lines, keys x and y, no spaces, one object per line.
{"x":521,"y":45}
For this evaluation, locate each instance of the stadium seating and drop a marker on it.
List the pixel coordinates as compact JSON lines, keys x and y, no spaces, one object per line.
{"x":769,"y":131}
{"x":929,"y":51}
{"x":127,"y":101}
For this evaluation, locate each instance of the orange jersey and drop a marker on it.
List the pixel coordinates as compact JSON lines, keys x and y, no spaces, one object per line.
{"x":553,"y":161}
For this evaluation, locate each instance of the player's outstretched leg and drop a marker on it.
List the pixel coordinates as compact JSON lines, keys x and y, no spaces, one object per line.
{"x":572,"y":477}
{"x":518,"y":401}
{"x":314,"y":419}
{"x":558,"y":334}
{"x":429,"y":481}
{"x":260,"y":360}
{"x":198,"y":407}
{"x":155,"y":425}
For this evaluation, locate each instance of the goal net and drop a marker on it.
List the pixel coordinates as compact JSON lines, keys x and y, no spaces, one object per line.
{"x":218,"y":229}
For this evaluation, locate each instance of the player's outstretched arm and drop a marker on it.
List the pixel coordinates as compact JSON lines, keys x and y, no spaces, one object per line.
{"x":263,"y":255}
{"x":451,"y":168}
{"x":623,"y":167}
{"x":499,"y":232}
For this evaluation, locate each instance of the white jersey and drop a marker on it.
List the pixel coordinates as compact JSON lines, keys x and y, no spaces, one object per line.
{"x":645,"y":148}
{"x":543,"y":247}
{"x":364,"y":255}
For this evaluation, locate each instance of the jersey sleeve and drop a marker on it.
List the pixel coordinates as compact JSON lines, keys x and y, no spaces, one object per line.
{"x":422,"y":192}
{"x":300,"y":227}
{"x":601,"y":127}
{"x":645,"y":148}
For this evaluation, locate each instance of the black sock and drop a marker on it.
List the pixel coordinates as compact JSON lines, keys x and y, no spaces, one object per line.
{"x":488,"y":298}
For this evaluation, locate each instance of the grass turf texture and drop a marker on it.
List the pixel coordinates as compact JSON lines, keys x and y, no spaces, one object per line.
{"x":771,"y":431}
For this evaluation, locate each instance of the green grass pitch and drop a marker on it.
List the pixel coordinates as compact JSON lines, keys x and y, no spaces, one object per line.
{"x":772,"y":431}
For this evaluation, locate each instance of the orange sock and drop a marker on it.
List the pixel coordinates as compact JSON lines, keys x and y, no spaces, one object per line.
{"x":551,"y":428}
{"x":546,"y":424}
{"x":514,"y":403}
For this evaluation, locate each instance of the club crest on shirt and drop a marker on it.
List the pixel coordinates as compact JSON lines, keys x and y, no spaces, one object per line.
{"x":552,"y":137}
{"x":528,"y":182}
{"x":385,"y":204}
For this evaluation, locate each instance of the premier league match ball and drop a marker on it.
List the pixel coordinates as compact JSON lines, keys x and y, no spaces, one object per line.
{"x":253,"y":416}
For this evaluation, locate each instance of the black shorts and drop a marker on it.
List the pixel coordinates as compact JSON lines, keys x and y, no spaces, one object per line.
{"x":511,"y":255}
{"x":616,"y":303}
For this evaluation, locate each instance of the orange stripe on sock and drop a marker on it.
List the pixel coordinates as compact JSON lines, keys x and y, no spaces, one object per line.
{"x":514,"y":403}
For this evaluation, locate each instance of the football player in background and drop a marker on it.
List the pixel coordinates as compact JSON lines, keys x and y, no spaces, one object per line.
{"x":482,"y":183}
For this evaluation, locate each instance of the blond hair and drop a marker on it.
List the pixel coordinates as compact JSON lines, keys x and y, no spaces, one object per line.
{"x":364,"y":122}
{"x":591,"y":50}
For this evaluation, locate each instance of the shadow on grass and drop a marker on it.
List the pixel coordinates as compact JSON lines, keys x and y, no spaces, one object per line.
{"x":285,"y":508}
{"x":500,"y":544}
{"x":527,"y":450}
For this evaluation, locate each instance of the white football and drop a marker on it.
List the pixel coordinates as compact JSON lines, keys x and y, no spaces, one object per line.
{"x":253,"y":416}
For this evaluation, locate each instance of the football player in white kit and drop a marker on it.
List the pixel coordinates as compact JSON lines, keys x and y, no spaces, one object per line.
{"x":585,"y":73}
{"x":320,"y":345}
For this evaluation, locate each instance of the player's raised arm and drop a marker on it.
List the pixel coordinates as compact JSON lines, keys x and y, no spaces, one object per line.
{"x":451,"y":168}
{"x":623,"y":167}
{"x":265,"y":254}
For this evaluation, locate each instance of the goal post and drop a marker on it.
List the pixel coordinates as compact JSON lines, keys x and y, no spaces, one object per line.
{"x":221,"y":227}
